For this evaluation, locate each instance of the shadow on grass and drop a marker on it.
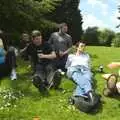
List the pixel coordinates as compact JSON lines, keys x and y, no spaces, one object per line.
{"x":94,"y":56}
{"x":98,"y":109}
{"x":25,"y":85}
{"x":94,"y":80}
{"x":116,"y":96}
{"x":88,"y":108}
{"x":23,"y":82}
{"x":95,"y":72}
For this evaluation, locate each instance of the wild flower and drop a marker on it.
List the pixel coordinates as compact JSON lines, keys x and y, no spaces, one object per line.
{"x":9,"y":97}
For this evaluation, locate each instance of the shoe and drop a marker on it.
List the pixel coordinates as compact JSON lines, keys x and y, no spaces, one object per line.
{"x":56,"y":80}
{"x":38,"y":83}
{"x":13,"y":76}
{"x":71,"y":101}
{"x":61,"y":72}
{"x":46,"y":83}
{"x":42,"y":88}
{"x":90,"y":96}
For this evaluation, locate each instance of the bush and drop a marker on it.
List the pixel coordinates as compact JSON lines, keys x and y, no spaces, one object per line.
{"x":116,"y":41}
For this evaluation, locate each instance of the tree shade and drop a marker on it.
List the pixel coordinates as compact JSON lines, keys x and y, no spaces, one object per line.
{"x":17,"y":16}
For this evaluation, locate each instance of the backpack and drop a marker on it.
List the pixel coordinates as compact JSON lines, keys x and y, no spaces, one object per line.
{"x":84,"y":104}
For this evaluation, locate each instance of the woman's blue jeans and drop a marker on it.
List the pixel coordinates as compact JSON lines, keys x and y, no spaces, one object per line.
{"x":82,"y":77}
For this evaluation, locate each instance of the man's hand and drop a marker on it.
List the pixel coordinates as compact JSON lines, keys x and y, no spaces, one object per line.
{"x":61,"y":54}
{"x":40,"y":55}
{"x":52,"y":55}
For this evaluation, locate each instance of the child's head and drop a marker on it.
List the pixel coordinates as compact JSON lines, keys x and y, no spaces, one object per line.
{"x":36,"y":37}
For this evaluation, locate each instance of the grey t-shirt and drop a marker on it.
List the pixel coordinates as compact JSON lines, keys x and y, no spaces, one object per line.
{"x":61,"y":42}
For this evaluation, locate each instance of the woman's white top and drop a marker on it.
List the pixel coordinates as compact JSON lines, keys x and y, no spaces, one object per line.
{"x":74,"y":60}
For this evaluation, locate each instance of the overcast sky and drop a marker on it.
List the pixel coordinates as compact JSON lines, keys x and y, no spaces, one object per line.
{"x":101,"y":13}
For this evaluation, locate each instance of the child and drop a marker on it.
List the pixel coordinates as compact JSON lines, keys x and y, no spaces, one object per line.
{"x":113,"y":86}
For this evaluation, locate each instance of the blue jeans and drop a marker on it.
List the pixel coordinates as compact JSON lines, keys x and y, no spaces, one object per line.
{"x":82,"y":77}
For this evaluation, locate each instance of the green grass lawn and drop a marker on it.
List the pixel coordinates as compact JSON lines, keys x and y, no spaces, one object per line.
{"x":28,"y":103}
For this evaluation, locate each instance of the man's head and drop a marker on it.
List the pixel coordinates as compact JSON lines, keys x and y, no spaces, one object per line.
{"x":36,"y":37}
{"x":25,"y":37}
{"x":1,"y":33}
{"x":63,"y":28}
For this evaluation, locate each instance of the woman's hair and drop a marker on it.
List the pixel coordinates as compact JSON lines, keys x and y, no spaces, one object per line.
{"x":81,"y":41}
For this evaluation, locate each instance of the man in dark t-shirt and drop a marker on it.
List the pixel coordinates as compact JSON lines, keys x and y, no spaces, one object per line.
{"x":37,"y":53}
{"x":41,"y":54}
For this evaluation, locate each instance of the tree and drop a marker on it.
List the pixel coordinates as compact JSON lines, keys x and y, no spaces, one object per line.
{"x":118,"y":16}
{"x":91,"y":36}
{"x":116,"y":40}
{"x":105,"y":37}
{"x":68,"y":12}
{"x":24,"y":14}
{"x":17,"y":16}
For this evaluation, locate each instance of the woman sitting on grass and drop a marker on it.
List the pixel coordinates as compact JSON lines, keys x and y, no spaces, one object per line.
{"x":7,"y":60}
{"x":78,"y":69}
{"x":112,"y":85}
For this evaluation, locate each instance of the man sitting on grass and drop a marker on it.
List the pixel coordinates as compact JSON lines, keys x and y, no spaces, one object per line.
{"x":42,"y":55}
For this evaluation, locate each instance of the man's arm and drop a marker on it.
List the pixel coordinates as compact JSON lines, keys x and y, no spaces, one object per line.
{"x":50,"y":41}
{"x":67,"y":63}
{"x":69,"y":45}
{"x":52,"y":55}
{"x":65,"y":52}
{"x":23,"y":50}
